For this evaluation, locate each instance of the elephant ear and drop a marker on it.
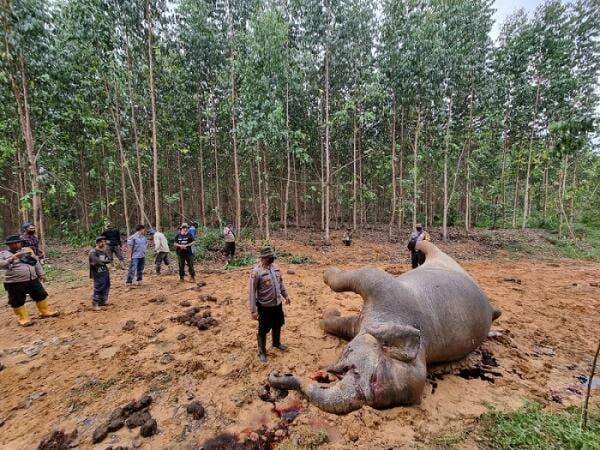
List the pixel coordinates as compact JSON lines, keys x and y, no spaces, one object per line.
{"x":401,"y":342}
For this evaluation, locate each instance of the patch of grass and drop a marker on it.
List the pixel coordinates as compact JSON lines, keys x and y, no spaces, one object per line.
{"x":531,"y":427}
{"x":299,"y":259}
{"x":449,"y":440}
{"x":317,"y":439}
{"x":54,"y":273}
{"x":94,"y":387}
{"x":242,"y":261}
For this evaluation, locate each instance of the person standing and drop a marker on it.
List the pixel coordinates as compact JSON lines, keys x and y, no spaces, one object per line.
{"x":265,"y":293}
{"x":31,"y":240}
{"x":23,"y":277}
{"x":193,"y":230}
{"x":138,"y":244}
{"x":183,"y":247}
{"x":99,"y":260}
{"x":417,"y":257}
{"x":347,"y":239}
{"x":113,"y":247}
{"x":229,"y":236}
{"x":161,"y":250}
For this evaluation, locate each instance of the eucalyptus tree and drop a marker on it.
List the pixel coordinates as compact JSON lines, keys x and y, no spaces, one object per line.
{"x":26,"y":26}
{"x":262,"y":92}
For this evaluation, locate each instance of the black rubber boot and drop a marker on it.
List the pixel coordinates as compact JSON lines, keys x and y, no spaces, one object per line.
{"x":277,"y":340}
{"x":262,"y":348}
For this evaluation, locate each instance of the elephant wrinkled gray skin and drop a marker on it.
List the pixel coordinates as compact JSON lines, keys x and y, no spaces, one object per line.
{"x":433,"y":314}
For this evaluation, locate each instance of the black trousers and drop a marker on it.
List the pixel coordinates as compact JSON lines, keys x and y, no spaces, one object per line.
{"x":417,"y":258}
{"x":186,"y":258}
{"x":271,"y":318}
{"x":17,"y":292}
{"x":229,"y":250}
{"x":101,"y":288}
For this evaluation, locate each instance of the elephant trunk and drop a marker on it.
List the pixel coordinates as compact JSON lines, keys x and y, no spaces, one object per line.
{"x":342,"y":397}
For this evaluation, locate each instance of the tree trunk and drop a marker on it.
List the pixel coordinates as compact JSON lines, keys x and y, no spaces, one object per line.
{"x":516,"y":196}
{"x":446,"y":152}
{"x":136,"y":143}
{"x":236,"y":170}
{"x":415,"y":155}
{"x":545,"y":192}
{"x":526,"y":193}
{"x":123,"y":166}
{"x":179,"y":175}
{"x":289,"y":157}
{"x":84,"y":192}
{"x":327,"y":174}
{"x":354,"y":172}
{"x":296,"y":200}
{"x":393,"y":164}
{"x":153,"y":121}
{"x":201,"y":169}
{"x":266,"y":196}
{"x":401,"y":172}
{"x":261,"y":215}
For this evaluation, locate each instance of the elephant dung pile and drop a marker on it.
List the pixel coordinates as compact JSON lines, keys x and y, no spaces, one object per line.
{"x":199,"y":317}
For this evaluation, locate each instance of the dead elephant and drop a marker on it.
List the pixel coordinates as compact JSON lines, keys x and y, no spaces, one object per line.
{"x":433,"y":314}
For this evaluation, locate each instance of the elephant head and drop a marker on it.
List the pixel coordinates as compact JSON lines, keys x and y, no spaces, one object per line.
{"x":380,"y":367}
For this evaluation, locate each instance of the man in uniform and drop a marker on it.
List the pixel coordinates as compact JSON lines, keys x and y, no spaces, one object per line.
{"x":417,"y":257}
{"x":99,"y":258}
{"x":266,"y":289}
{"x":23,"y":275}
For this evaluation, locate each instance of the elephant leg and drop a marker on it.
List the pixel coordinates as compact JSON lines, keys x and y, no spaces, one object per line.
{"x":363,"y":281}
{"x":342,"y":327}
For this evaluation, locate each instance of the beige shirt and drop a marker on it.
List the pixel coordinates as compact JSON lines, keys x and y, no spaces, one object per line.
{"x":160,"y":243}
{"x":17,"y":271}
{"x":266,"y":287}
{"x":228,"y":234}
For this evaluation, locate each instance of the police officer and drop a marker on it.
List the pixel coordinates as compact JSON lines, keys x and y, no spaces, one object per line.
{"x":265,"y":294}
{"x":23,"y":275}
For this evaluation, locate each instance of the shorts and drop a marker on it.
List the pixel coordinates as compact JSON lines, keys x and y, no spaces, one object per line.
{"x":17,"y":292}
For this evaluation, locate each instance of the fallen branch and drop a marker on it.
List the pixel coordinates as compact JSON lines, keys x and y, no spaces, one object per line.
{"x":584,"y":413}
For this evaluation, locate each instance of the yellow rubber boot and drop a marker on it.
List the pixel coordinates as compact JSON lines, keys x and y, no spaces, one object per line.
{"x":44,"y":309}
{"x":21,"y":313}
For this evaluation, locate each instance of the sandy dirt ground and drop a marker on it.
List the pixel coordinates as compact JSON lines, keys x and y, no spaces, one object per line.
{"x":71,"y":372}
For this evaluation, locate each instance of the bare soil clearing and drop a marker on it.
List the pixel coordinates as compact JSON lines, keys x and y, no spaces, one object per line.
{"x":72,"y":372}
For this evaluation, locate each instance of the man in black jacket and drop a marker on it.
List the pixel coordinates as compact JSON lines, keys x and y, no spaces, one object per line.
{"x":183,"y":247}
{"x":113,"y":247}
{"x":99,"y":272}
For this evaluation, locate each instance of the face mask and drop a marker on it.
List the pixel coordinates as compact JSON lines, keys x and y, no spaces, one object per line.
{"x":32,"y":232}
{"x":419,"y":229}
